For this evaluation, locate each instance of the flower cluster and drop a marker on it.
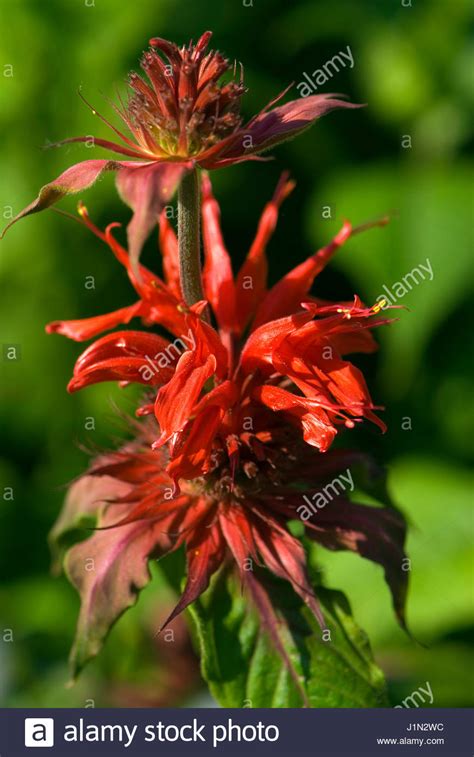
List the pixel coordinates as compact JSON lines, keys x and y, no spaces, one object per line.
{"x":241,"y":414}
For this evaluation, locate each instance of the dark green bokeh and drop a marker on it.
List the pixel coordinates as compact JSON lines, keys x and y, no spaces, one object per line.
{"x":413,"y":66}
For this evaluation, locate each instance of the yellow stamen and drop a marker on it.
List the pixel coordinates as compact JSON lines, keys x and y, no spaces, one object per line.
{"x":379,"y":306}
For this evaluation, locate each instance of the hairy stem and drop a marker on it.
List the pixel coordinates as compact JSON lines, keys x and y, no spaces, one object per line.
{"x":189,"y":238}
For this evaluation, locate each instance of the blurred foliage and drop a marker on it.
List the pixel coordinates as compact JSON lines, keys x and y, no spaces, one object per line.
{"x":414,"y":68}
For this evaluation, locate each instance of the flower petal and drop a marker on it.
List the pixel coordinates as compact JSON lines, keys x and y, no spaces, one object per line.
{"x":141,"y":344}
{"x":217,"y":274}
{"x":287,"y":294}
{"x":193,"y":457}
{"x":318,"y":371}
{"x":259,"y":347}
{"x":133,"y":152}
{"x":87,"y":328}
{"x":286,"y":121}
{"x":170,"y":253}
{"x":113,"y":369}
{"x":160,"y":305}
{"x":205,"y":553}
{"x":175,"y":401}
{"x":206,"y":339}
{"x":314,"y":421}
{"x":146,"y":189}
{"x":252,"y":277}
{"x":286,"y":558}
{"x":355,"y":341}
{"x":123,"y":356}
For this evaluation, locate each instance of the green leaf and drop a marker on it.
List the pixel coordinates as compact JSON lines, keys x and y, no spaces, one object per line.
{"x":244,"y":669}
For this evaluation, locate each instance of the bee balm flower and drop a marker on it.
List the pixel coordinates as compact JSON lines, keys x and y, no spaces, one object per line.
{"x":180,"y":117}
{"x":240,"y":418}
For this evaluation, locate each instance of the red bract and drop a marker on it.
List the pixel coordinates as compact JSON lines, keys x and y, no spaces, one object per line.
{"x":180,"y":117}
{"x":217,"y":390}
{"x":245,"y":411}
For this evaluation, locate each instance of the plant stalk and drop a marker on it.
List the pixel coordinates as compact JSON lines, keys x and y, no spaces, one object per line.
{"x":189,"y":238}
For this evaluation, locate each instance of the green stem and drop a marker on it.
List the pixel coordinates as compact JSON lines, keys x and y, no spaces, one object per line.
{"x":189,"y":238}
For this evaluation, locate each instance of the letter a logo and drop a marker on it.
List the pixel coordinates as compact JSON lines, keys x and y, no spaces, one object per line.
{"x":39,"y":732}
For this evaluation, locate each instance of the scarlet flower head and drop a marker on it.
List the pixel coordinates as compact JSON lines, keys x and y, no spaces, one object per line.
{"x":289,"y":363}
{"x":240,"y":418}
{"x":180,"y":117}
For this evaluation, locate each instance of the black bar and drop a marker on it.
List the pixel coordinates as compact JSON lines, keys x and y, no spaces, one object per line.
{"x":279,"y":733}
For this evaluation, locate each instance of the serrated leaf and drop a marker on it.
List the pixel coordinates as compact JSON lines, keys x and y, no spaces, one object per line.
{"x":243,"y":668}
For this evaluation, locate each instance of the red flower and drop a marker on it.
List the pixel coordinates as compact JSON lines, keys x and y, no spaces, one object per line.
{"x":210,"y":381}
{"x":243,"y":420}
{"x":181,"y":117}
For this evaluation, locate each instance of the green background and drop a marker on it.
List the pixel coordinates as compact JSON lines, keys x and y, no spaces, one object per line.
{"x":414,"y":68}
